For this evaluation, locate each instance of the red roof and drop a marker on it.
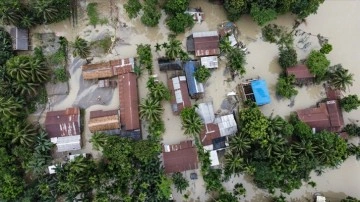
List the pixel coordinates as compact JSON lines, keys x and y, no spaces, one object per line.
{"x":300,"y":72}
{"x":129,"y":101}
{"x":63,"y":123}
{"x":108,"y":69}
{"x":332,"y":94}
{"x":177,"y":106}
{"x":180,"y":157}
{"x":210,"y":131}
{"x":328,"y":116}
{"x":206,"y":46}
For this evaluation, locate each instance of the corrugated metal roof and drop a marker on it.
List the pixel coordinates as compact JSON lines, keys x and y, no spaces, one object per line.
{"x":210,"y":62}
{"x":214,"y":158}
{"x":205,"y":34}
{"x":108,"y":69}
{"x":210,"y":131}
{"x":300,"y":72}
{"x":227,"y":125}
{"x":20,"y":38}
{"x":166,"y":64}
{"x":193,"y":86}
{"x":63,"y":123}
{"x":180,"y":97}
{"x":206,"y":112}
{"x":205,"y":46}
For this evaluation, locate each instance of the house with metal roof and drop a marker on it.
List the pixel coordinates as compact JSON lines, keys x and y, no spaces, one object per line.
{"x":227,"y":125}
{"x":255,"y":90}
{"x":180,"y":157}
{"x":166,"y":64}
{"x":210,"y":62}
{"x":20,"y":38}
{"x":203,"y":43}
{"x":180,"y":96}
{"x":206,"y":112}
{"x":63,"y":129}
{"x":108,"y":69}
{"x":105,"y":121}
{"x":301,"y":73}
{"x":196,"y":89}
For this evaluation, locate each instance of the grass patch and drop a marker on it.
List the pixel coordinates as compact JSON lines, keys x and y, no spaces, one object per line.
{"x":93,"y":15}
{"x":104,"y":44}
{"x":61,"y":74}
{"x":58,"y":58}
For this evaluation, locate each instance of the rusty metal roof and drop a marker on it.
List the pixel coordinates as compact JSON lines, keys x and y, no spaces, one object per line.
{"x":108,"y":69}
{"x":206,"y":43}
{"x":129,"y":101}
{"x":63,"y":123}
{"x":180,"y":96}
{"x":180,"y":157}
{"x":209,"y":133}
{"x":300,"y":71}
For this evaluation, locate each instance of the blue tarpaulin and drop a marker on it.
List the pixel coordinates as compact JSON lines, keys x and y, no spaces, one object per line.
{"x":261,"y":92}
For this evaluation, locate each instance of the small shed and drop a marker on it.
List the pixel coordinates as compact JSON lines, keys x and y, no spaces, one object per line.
{"x":255,"y":90}
{"x":196,"y":90}
{"x":166,"y":64}
{"x":204,"y":43}
{"x":20,"y":38}
{"x":210,"y":62}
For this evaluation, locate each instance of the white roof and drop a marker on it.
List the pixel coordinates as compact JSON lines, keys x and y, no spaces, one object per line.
{"x":214,"y":158}
{"x":206,"y":112}
{"x":52,"y":169}
{"x":210,"y":62}
{"x":167,"y":148}
{"x":232,"y":40}
{"x":182,"y":78}
{"x":227,"y":125}
{"x":67,"y":143}
{"x":178,"y":96}
{"x":73,"y":156}
{"x":176,"y":83}
{"x":320,"y":199}
{"x":209,"y":147}
{"x":205,"y":34}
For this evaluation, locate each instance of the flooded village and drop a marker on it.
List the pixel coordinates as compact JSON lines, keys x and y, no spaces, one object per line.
{"x":104,"y":91}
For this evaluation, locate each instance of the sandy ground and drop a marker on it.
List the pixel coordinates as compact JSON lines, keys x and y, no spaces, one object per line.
{"x":262,"y":61}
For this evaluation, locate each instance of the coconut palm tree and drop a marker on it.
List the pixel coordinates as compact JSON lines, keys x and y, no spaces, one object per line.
{"x":191,"y":121}
{"x":225,"y":45}
{"x":45,"y":10}
{"x":9,"y":107}
{"x":99,"y":140}
{"x":341,"y":79}
{"x":233,"y":162}
{"x":240,"y":143}
{"x":25,"y":88}
{"x":173,"y":50}
{"x":43,"y":144}
{"x":157,"y":47}
{"x":305,"y":147}
{"x":81,"y":48}
{"x":10,"y":12}
{"x":150,"y":110}
{"x":23,"y":134}
{"x":18,"y":68}
{"x":237,"y":61}
{"x":274,"y":143}
{"x":158,"y":90}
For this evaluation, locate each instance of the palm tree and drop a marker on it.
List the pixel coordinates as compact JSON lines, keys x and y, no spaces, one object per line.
{"x":25,"y":88}
{"x":305,"y":147}
{"x":240,"y":143}
{"x":23,"y":134}
{"x":43,"y":144}
{"x":233,"y":162}
{"x":274,"y":143}
{"x":81,"y":48}
{"x":157,"y":47}
{"x":10,"y":12}
{"x":99,"y":140}
{"x":150,"y":110}
{"x":225,"y":45}
{"x":237,"y":61}
{"x":341,"y":79}
{"x":45,"y":11}
{"x":9,"y":107}
{"x":191,"y":121}
{"x":159,"y":91}
{"x":39,"y":71}
{"x":18,"y":68}
{"x":173,"y":50}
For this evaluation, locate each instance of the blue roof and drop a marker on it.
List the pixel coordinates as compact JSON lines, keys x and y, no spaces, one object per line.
{"x":261,"y":92}
{"x":193,"y":85}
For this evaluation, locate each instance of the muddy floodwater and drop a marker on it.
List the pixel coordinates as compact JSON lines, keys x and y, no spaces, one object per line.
{"x":338,"y":20}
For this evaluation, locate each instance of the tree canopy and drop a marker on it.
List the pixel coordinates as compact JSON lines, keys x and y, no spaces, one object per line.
{"x":287,"y":57}
{"x":285,"y":86}
{"x":350,"y":102}
{"x":318,"y":63}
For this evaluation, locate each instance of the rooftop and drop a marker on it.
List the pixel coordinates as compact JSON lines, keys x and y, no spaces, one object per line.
{"x":206,"y":43}
{"x":180,"y":157}
{"x":108,"y":69}
{"x":193,"y":86}
{"x":261,"y":92}
{"x":63,"y":123}
{"x":227,"y":125}
{"x":180,"y":97}
{"x":104,"y":120}
{"x":206,"y":112}
{"x":300,"y":71}
{"x":209,"y":133}
{"x":20,"y":38}
{"x":210,"y":62}
{"x":167,"y":64}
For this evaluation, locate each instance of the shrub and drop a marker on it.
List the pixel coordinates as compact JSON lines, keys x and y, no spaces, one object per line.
{"x":350,"y":102}
{"x":180,"y":22}
{"x":287,"y":57}
{"x":93,"y":15}
{"x":326,"y":48}
{"x":61,"y":75}
{"x":104,"y":44}
{"x":202,"y":74}
{"x":132,"y":8}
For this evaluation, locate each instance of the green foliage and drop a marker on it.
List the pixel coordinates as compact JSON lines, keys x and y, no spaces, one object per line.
{"x":176,"y":6}
{"x":132,"y":8}
{"x":305,"y":8}
{"x":262,"y":15}
{"x":285,"y":86}
{"x":104,"y":44}
{"x":61,"y":75}
{"x":225,"y":45}
{"x":272,"y":33}
{"x":151,"y":14}
{"x":158,"y":90}
{"x":173,"y":50}
{"x":350,"y":102}
{"x":350,"y":199}
{"x":164,"y":187}
{"x":180,"y":182}
{"x":150,"y":110}
{"x":80,"y":48}
{"x":93,"y":15}
{"x":9,"y":107}
{"x":317,"y":63}
{"x":179,"y":22}
{"x":191,"y":121}
{"x":253,"y":123}
{"x":202,"y":74}
{"x":236,"y":61}
{"x":352,"y":130}
{"x":57,"y":58}
{"x":235,"y":8}
{"x":145,"y":57}
{"x":50,"y":11}
{"x":239,"y":190}
{"x":6,"y":51}
{"x":340,"y":78}
{"x":287,"y":57}
{"x":326,"y":48}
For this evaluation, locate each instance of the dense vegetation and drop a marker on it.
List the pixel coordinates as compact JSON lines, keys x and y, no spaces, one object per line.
{"x":280,"y":154}
{"x":264,"y":11}
{"x":26,"y":15}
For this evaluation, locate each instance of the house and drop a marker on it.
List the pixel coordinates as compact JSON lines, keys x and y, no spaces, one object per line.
{"x":105,"y":121}
{"x":206,"y":112}
{"x":20,"y":38}
{"x":180,"y":157}
{"x":227,"y":125}
{"x":203,"y":43}
{"x":197,"y":14}
{"x":166,"y":64}
{"x":63,"y":129}
{"x":326,"y":116}
{"x":180,"y":96}
{"x":108,"y":69}
{"x":227,"y":29}
{"x":301,"y":73}
{"x":210,"y":62}
{"x":196,"y":90}
{"x":255,"y":90}
{"x":129,"y":101}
